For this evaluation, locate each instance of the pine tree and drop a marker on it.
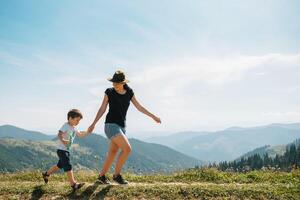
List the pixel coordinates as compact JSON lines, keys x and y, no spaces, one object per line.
{"x":290,"y":159}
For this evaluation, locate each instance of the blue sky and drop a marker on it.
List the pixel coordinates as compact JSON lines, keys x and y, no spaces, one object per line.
{"x":199,"y":65}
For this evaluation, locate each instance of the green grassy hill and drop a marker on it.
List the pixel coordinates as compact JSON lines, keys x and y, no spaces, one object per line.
{"x":9,"y":131}
{"x":89,"y":153}
{"x":272,"y":151}
{"x":188,"y":184}
{"x":22,"y":149}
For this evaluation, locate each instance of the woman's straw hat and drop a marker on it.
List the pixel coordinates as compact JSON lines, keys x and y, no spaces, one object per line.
{"x":118,"y":77}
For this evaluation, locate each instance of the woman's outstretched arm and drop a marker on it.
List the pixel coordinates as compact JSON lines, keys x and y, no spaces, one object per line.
{"x":100,"y":112}
{"x":140,"y":108}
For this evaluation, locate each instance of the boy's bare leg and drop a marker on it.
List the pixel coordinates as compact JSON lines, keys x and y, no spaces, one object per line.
{"x":71,"y":177}
{"x":52,"y":170}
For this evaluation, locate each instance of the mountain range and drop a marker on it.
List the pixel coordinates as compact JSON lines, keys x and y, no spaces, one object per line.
{"x":23,"y":149}
{"x":10,"y":131}
{"x":230,"y":143}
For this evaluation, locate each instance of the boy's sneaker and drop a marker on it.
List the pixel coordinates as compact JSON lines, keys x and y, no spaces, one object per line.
{"x":119,"y":179}
{"x":103,"y":180}
{"x":45,"y":177}
{"x":77,"y":186}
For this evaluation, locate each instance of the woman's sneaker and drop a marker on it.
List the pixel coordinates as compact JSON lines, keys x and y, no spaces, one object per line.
{"x":77,"y":186}
{"x":45,"y":177}
{"x":119,"y":179}
{"x":103,"y":180}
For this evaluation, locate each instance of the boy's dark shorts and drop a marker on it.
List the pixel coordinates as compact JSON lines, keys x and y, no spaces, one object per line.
{"x":64,"y":160}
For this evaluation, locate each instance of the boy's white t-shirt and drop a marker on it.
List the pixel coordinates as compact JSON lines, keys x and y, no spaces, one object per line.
{"x":69,"y":133}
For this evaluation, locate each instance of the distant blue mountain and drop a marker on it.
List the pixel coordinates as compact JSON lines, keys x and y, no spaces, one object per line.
{"x":230,"y":143}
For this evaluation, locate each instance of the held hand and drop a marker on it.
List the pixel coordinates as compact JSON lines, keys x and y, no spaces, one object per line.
{"x":91,"y":128}
{"x":65,"y":142}
{"x":87,"y":132}
{"x":157,"y":119}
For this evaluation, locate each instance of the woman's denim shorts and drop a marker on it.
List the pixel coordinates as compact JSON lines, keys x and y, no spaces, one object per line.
{"x":111,"y":130}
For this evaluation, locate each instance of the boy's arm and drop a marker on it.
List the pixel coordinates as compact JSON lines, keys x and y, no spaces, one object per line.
{"x":82,"y":133}
{"x":60,"y":137}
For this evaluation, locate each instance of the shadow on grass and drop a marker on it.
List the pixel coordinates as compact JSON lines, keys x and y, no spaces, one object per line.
{"x":89,"y":192}
{"x":102,"y":193}
{"x":37,"y":192}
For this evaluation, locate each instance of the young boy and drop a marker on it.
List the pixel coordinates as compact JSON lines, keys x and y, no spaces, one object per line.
{"x":66,"y":137}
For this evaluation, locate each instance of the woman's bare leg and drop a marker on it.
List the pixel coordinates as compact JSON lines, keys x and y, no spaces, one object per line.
{"x":113,"y":149}
{"x":122,"y":142}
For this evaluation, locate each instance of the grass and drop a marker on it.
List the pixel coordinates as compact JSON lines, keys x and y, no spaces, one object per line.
{"x":188,"y":184}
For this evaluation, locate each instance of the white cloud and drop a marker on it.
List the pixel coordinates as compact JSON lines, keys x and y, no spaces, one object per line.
{"x":172,"y":78}
{"x":188,"y":93}
{"x":76,"y":80}
{"x":282,"y":115}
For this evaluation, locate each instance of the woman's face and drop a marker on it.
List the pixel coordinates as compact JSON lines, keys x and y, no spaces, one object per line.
{"x":118,"y":86}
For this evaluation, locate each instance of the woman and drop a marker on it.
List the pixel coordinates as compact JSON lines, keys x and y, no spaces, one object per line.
{"x":118,"y":97}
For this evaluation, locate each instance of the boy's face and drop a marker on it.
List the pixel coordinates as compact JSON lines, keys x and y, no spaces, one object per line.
{"x":74,"y":121}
